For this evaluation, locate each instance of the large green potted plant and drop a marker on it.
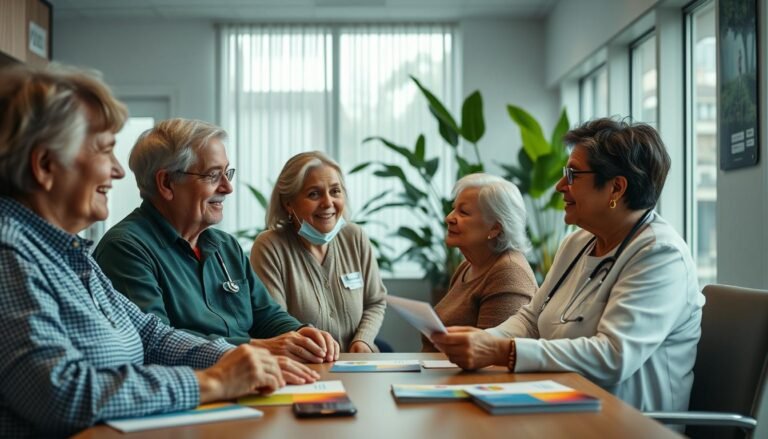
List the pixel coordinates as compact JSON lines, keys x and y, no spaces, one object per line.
{"x":426,"y":245}
{"x":539,"y":166}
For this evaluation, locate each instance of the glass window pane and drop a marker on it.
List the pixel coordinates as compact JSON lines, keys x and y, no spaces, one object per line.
{"x":593,"y":94}
{"x":644,"y":88}
{"x":703,"y":142}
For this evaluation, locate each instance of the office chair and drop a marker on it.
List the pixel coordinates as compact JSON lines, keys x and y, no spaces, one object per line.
{"x":730,"y":377}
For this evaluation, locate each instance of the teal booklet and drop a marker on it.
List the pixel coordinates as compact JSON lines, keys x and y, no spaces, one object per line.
{"x":377,"y":366}
{"x":429,"y":392}
{"x":531,"y":397}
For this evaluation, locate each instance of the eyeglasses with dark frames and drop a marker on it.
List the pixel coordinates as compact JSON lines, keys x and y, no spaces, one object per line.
{"x":213,"y":177}
{"x":568,"y":173}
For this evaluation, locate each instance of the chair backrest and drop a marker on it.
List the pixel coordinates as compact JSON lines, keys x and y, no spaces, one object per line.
{"x":732,"y":356}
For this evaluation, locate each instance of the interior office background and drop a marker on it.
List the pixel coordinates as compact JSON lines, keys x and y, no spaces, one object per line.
{"x":594,"y":57}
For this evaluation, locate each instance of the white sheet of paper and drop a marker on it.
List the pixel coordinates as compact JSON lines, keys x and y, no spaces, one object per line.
{"x":438,"y":364}
{"x":189,"y":417}
{"x":331,"y":386}
{"x":417,"y":313}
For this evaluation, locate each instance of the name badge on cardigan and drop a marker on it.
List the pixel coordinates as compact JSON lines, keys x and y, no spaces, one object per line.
{"x":352,"y":281}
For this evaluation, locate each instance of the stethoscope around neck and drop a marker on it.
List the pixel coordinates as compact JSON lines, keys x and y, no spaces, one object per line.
{"x":603,"y":267}
{"x":229,"y":285}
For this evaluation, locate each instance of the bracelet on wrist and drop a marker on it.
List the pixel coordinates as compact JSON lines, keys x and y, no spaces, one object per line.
{"x":512,"y":358}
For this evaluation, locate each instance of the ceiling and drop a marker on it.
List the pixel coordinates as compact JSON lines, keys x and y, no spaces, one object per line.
{"x":301,"y":10}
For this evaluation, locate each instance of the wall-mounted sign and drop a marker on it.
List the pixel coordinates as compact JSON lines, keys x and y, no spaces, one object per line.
{"x":38,"y":38}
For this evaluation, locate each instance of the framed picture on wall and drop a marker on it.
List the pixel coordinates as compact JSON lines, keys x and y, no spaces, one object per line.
{"x":737,"y":83}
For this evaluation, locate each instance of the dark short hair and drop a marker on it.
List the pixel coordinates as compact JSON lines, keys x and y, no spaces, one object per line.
{"x":632,"y":150}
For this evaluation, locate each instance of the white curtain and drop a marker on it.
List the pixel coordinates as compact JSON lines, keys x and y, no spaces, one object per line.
{"x":287,"y":89}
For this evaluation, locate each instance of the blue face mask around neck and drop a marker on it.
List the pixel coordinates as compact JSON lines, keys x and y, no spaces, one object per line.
{"x":316,"y":237}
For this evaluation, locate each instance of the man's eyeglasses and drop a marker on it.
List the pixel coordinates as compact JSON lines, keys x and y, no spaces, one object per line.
{"x":568,"y":173}
{"x":213,"y":177}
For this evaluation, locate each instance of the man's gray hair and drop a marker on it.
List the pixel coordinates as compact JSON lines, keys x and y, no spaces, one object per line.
{"x":500,"y":202}
{"x":172,"y":145}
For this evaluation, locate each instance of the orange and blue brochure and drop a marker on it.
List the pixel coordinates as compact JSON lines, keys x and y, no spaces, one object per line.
{"x":320,"y":391}
{"x":202,"y":414}
{"x":377,"y":366}
{"x":531,"y":397}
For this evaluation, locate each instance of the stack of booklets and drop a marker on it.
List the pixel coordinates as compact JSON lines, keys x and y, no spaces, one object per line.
{"x":503,"y":398}
{"x":531,"y":397}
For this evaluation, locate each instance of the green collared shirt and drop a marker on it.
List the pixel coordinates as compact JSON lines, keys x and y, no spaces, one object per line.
{"x":148,"y":261}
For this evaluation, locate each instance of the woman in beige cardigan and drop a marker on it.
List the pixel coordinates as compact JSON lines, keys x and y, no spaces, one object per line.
{"x":317,"y":266}
{"x":487,"y":224}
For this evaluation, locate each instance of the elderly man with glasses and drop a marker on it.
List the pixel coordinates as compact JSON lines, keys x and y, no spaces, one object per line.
{"x":166,"y":257}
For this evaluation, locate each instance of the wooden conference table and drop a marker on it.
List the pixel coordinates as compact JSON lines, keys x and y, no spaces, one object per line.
{"x":379,"y":416}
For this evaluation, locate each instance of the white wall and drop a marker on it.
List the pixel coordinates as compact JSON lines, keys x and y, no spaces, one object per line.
{"x":742,"y":200}
{"x":175,"y":58}
{"x":577,"y":29}
{"x":504,"y":60}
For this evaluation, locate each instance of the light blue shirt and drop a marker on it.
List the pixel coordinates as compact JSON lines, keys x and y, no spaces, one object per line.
{"x":73,"y":350}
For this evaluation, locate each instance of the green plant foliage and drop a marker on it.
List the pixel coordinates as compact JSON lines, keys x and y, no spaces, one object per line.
{"x":418,"y":192}
{"x":539,"y":167}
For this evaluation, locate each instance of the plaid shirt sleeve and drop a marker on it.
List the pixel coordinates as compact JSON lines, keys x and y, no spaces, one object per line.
{"x":63,"y":368}
{"x":168,"y":346}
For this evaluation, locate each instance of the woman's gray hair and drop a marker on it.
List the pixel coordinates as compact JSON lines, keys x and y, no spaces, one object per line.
{"x":54,"y":108}
{"x":500,"y":202}
{"x":290,"y":182}
{"x":172,"y":145}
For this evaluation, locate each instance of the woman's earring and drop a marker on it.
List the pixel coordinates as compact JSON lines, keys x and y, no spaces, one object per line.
{"x":290,"y":217}
{"x":612,"y":204}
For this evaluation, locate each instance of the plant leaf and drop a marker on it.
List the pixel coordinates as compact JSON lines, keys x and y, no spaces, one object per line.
{"x":534,"y":142}
{"x":472,"y":121}
{"x":258,"y":195}
{"x":403,"y":151}
{"x":556,"y":202}
{"x":560,"y":129}
{"x":430,"y":167}
{"x":446,"y":131}
{"x":420,"y":149}
{"x":413,"y":236}
{"x":360,"y":167}
{"x":449,"y":129}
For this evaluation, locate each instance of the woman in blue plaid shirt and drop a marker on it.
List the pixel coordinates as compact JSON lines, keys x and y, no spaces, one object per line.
{"x":74,"y":351}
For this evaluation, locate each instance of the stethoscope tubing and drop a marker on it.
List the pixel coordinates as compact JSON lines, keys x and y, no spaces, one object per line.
{"x":602,"y":265}
{"x":228,"y":285}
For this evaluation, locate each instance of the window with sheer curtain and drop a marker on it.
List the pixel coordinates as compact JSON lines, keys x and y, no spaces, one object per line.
{"x":288,"y":89}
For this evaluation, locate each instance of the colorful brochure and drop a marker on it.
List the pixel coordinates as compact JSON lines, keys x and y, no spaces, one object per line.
{"x":320,"y":391}
{"x":377,"y":366}
{"x":202,"y":414}
{"x":430,"y":392}
{"x":531,"y":397}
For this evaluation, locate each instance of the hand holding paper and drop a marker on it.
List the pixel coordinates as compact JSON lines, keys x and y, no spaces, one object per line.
{"x":419,"y":314}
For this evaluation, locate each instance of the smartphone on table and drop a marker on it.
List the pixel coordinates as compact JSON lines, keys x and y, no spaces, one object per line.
{"x":323,"y":409}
